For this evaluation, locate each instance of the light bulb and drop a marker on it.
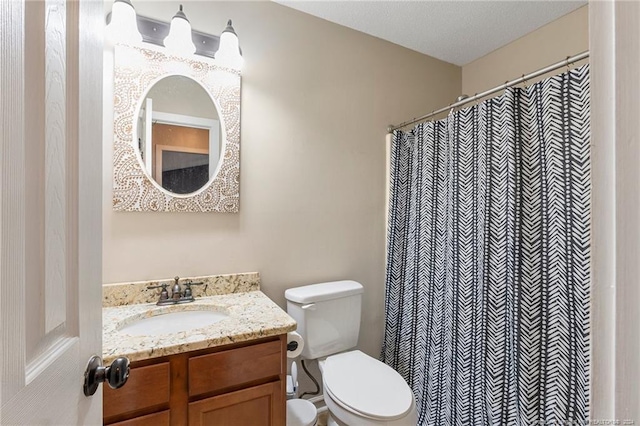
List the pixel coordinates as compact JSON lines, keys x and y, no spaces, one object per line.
{"x":179,"y":39}
{"x":228,"y":53}
{"x":123,"y":27}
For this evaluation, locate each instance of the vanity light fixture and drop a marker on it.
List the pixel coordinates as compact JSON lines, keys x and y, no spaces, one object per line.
{"x":229,"y":52}
{"x":179,"y":39}
{"x":123,"y":26}
{"x":126,"y":27}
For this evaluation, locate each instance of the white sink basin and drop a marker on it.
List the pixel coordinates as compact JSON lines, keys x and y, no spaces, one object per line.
{"x":171,"y":322}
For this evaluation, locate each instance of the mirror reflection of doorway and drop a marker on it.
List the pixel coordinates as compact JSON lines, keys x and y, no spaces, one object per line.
{"x":181,"y":161}
{"x":178,"y":112}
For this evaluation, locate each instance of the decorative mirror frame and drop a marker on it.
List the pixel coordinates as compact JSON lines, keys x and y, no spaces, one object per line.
{"x":136,"y":69}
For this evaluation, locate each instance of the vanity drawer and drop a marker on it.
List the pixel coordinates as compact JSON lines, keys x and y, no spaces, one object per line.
{"x":221,"y":370}
{"x":146,"y":387}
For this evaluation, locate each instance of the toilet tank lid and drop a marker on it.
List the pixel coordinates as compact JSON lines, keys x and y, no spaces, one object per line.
{"x":324,"y":291}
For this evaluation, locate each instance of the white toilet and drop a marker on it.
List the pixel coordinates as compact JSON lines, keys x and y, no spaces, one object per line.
{"x":358,"y":390}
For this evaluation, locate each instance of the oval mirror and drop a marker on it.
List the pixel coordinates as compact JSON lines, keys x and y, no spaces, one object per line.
{"x":179,"y":135}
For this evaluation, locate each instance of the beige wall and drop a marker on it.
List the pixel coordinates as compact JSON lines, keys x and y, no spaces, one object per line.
{"x":552,"y":43}
{"x":316,"y":100}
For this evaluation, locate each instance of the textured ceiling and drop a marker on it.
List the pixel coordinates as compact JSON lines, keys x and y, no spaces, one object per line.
{"x":453,"y":31}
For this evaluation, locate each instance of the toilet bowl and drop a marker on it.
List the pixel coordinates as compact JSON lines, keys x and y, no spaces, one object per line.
{"x":362,"y":391}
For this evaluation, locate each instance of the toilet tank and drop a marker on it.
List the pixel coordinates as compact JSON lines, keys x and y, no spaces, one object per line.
{"x":328,"y":316}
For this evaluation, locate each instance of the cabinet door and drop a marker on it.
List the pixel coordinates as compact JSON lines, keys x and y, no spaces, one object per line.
{"x":256,"y":406}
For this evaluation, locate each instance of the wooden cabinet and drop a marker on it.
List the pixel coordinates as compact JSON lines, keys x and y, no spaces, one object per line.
{"x":233,"y":385}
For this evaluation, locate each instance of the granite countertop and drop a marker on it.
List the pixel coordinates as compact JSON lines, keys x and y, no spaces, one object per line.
{"x":251,"y":315}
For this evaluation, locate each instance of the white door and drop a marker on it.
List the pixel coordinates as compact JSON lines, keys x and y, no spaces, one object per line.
{"x":146,"y":134}
{"x":50,"y":209}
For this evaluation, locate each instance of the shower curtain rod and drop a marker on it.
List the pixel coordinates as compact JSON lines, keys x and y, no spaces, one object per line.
{"x":570,"y":60}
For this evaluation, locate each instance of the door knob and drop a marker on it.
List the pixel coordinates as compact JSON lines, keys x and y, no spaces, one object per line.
{"x":115,"y":375}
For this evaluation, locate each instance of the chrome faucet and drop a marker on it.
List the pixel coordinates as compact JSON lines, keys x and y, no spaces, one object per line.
{"x":176,"y":291}
{"x":177,"y":295}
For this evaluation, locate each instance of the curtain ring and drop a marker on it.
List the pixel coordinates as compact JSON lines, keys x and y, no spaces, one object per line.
{"x":526,"y":85}
{"x":568,"y":63}
{"x":476,"y":97}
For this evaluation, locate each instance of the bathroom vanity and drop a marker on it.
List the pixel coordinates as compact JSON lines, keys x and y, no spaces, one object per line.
{"x":234,"y":384}
{"x":229,"y":372}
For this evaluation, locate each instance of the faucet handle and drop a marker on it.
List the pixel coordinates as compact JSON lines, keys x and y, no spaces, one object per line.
{"x":164,"y":294}
{"x":162,"y":286}
{"x":187,"y":289}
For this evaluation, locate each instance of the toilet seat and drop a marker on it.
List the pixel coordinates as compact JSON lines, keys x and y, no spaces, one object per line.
{"x":367,"y":387}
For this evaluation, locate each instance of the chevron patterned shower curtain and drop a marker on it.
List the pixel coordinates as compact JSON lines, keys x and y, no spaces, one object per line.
{"x":487,"y":287}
